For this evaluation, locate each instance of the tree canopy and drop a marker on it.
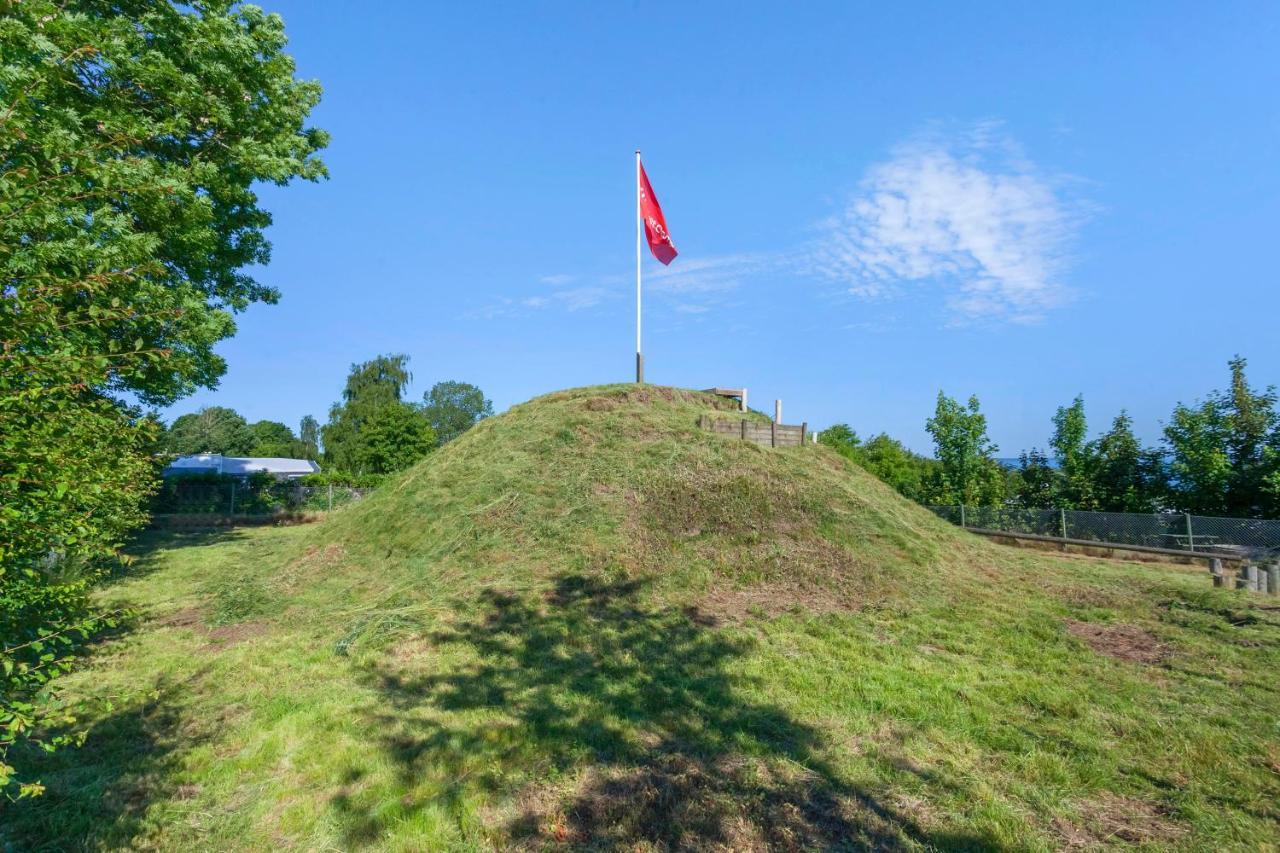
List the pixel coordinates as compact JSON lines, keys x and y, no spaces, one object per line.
{"x":968,"y":474}
{"x":373,"y":431}
{"x":131,"y":137}
{"x":455,"y":407}
{"x":213,"y":429}
{"x":1224,"y":452}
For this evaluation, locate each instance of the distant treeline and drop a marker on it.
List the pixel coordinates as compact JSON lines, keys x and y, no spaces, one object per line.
{"x":371,"y":431}
{"x":1218,"y":456}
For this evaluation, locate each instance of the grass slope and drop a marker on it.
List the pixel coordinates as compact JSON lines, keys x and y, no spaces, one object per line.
{"x":586,"y":623}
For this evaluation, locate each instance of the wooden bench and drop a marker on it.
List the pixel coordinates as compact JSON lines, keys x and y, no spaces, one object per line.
{"x":739,"y":394}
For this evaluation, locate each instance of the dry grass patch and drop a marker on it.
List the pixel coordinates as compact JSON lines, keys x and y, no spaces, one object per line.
{"x":1109,"y":819}
{"x":1122,"y":642}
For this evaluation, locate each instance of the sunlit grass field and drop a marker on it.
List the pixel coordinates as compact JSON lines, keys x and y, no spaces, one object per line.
{"x":587,"y":624}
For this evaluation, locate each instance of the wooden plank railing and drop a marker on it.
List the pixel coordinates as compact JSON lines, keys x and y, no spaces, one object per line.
{"x":769,"y":434}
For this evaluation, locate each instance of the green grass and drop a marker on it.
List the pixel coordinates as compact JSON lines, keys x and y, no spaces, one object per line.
{"x":586,"y":623}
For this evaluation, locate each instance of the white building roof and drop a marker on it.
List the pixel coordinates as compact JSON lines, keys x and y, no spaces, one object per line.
{"x":216,"y":463}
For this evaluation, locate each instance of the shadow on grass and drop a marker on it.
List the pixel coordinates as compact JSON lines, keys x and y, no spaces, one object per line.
{"x":638,"y":708}
{"x":97,"y":795}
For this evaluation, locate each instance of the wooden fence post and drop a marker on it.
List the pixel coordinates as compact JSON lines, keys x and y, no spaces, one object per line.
{"x":1062,"y":521}
{"x":744,"y":429}
{"x":773,"y":434}
{"x":804,"y":429}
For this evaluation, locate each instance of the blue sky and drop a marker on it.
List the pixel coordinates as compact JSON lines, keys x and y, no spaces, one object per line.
{"x":872,"y":202}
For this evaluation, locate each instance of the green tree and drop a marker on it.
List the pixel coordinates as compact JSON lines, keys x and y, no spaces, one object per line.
{"x":213,"y":429}
{"x":372,"y":414}
{"x":1224,"y":453}
{"x":842,"y":439}
{"x":1126,"y":477}
{"x":309,"y":438}
{"x":910,"y":474}
{"x":968,"y":474}
{"x":392,"y":438}
{"x":131,"y":136}
{"x":907,"y":472}
{"x":1036,"y":483}
{"x":455,"y":407}
{"x":271,"y":438}
{"x":1071,"y":449}
{"x":1199,"y":467}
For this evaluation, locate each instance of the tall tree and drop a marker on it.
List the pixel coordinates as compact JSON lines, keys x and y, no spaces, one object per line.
{"x":213,"y":429}
{"x":271,"y":438}
{"x":1036,"y":484}
{"x":455,"y":407}
{"x":372,"y":417}
{"x":309,"y":438}
{"x":1125,"y":477}
{"x":392,"y":437}
{"x":131,"y":136}
{"x":1071,"y":448}
{"x":1224,"y":453}
{"x":968,"y":475}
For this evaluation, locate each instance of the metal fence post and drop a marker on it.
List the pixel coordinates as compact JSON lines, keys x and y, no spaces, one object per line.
{"x":1191,"y":539}
{"x":233,"y":498}
{"x":331,"y":497}
{"x":1062,"y":521}
{"x":962,"y":524}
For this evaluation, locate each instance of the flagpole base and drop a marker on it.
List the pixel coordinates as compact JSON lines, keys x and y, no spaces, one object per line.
{"x":639,"y":368}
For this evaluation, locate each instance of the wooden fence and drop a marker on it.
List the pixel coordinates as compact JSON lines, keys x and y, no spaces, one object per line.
{"x":768,"y":434}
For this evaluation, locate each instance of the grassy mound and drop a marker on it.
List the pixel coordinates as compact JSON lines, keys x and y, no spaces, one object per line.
{"x":620,"y":483}
{"x":587,"y":623}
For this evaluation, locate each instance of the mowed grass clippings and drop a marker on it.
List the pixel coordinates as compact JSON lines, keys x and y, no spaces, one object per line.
{"x":589,"y":624}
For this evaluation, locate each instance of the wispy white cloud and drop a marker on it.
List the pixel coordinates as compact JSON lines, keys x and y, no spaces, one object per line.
{"x":964,"y":215}
{"x":581,"y":297}
{"x":970,"y":215}
{"x":716,"y":274}
{"x":691,"y":308}
{"x":573,"y":299}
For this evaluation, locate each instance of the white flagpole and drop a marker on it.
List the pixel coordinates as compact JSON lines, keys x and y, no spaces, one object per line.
{"x":639,"y":230}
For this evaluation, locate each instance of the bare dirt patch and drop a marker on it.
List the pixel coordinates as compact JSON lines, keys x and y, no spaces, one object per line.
{"x":187,"y":617}
{"x":218,"y":638}
{"x":229,"y":635}
{"x":1122,"y":642}
{"x":1110,"y":818}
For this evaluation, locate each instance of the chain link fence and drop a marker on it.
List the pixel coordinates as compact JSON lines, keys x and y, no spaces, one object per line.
{"x":251,"y":496}
{"x":1246,"y":537}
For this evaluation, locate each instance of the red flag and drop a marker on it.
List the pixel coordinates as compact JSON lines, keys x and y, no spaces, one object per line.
{"x":655,"y":225}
